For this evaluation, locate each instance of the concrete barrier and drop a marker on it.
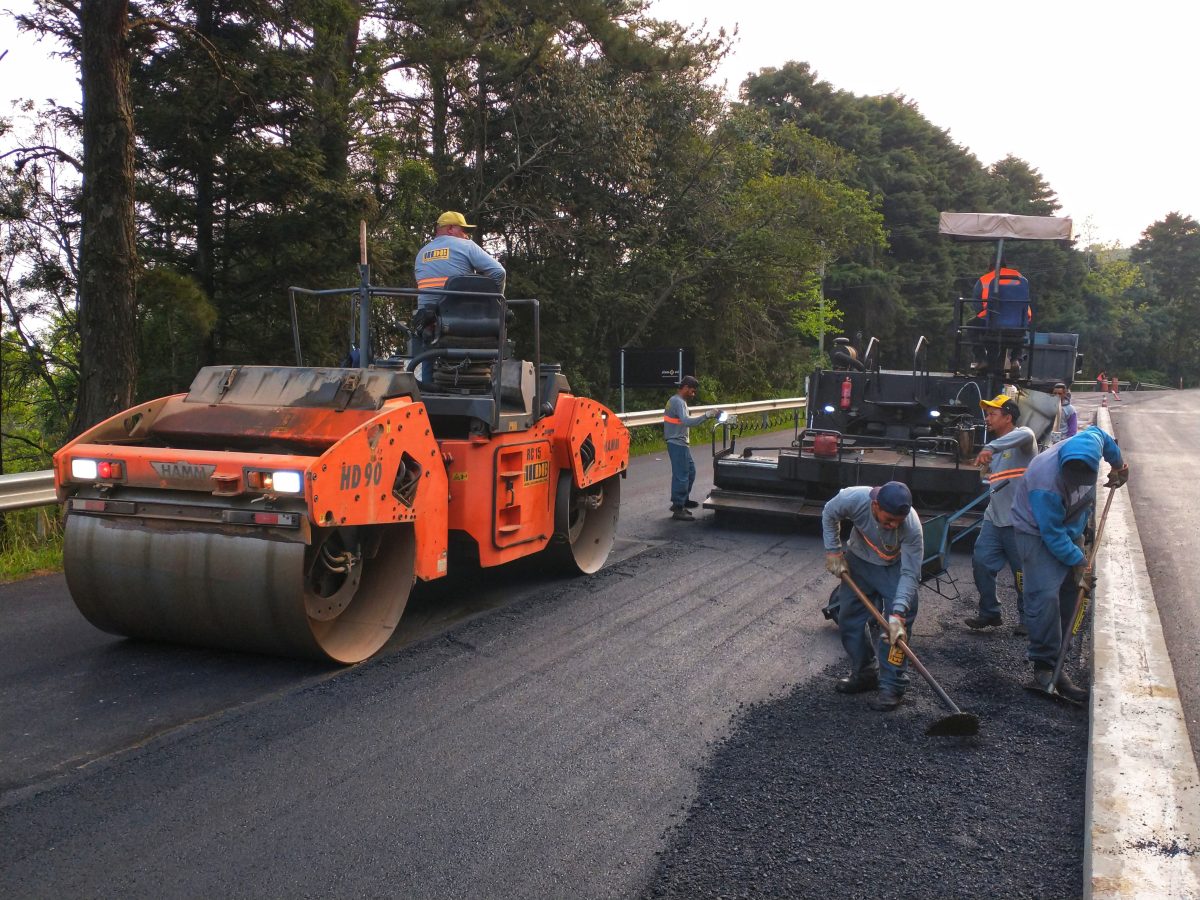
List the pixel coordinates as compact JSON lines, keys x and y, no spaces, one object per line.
{"x":1142,"y":813}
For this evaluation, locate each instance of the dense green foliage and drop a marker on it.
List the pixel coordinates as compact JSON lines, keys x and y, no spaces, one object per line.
{"x":611,"y":180}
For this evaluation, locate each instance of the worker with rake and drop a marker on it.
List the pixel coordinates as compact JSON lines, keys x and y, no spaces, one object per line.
{"x":1050,"y":511}
{"x":885,"y":547}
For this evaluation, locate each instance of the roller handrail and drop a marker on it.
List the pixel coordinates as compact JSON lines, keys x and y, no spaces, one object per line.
{"x":25,"y":490}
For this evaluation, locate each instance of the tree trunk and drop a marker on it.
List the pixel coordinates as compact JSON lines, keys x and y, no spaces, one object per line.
{"x":108,"y":256}
{"x":335,"y":43}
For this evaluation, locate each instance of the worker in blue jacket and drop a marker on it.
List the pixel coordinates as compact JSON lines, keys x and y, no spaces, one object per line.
{"x":1050,"y":511}
{"x":885,"y":547}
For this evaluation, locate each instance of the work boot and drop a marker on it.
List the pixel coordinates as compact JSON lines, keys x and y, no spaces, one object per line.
{"x":1020,"y":630}
{"x":857,"y":684}
{"x":691,"y":504}
{"x":675,"y":507}
{"x":682,"y":515}
{"x":1070,"y":690}
{"x":1043,"y":676}
{"x":978,"y":623}
{"x":886,"y":701}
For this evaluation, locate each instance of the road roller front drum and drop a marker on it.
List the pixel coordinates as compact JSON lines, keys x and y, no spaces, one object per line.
{"x":338,"y":598}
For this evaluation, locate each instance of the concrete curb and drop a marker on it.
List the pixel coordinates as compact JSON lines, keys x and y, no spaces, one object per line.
{"x":1142,"y":812}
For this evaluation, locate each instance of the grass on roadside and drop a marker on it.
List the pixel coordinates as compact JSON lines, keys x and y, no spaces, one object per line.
{"x":30,"y":543}
{"x":646,"y":439}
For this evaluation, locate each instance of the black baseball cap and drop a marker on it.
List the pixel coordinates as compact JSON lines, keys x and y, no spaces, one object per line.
{"x":893,"y":497}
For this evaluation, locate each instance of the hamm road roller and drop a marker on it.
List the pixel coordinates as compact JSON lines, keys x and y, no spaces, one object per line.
{"x":289,"y":510}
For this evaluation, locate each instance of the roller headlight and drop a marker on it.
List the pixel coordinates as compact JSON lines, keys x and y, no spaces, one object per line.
{"x":287,"y":482}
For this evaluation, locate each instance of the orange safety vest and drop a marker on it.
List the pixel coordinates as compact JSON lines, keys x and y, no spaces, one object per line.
{"x":882,"y":553}
{"x":1005,"y":475}
{"x":1007,"y":276}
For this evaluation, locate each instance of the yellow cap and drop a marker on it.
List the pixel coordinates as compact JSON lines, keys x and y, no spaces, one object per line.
{"x":999,"y":402}
{"x":453,"y":218}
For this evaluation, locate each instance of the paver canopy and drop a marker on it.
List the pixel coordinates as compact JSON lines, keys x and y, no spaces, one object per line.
{"x":995,"y":226}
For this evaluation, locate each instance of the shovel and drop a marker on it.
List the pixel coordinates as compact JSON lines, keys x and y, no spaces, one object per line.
{"x":958,"y":723}
{"x":1077,"y":616}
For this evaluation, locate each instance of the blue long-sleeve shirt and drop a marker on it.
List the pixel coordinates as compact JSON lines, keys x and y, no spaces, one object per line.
{"x":447,"y":256}
{"x":876,"y":545}
{"x":1047,"y":505}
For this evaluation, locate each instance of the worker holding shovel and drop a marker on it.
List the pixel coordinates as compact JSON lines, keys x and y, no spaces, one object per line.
{"x":885,"y":551}
{"x":1050,"y":511}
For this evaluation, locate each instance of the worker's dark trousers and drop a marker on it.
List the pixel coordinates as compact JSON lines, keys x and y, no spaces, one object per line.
{"x":879,"y":583}
{"x":994,"y":547}
{"x":1049,"y":598}
{"x":683,"y":472}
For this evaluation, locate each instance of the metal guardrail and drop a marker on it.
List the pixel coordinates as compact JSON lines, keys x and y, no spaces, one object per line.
{"x":25,"y":490}
{"x":655,"y":416}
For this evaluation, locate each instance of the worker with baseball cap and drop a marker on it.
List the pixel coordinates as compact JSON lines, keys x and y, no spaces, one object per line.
{"x":885,"y":547}
{"x":1002,"y":459}
{"x":452,"y":252}
{"x":676,"y":425}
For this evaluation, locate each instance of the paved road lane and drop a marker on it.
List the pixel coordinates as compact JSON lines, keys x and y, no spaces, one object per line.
{"x":1161,"y":431}
{"x":523,"y":753}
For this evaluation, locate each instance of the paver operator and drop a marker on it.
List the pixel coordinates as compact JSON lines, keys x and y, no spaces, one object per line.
{"x":1050,"y":511}
{"x":1006,"y":456}
{"x":884,"y":556}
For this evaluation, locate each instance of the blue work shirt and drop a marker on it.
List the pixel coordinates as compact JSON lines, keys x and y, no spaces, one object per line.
{"x":1047,"y":505}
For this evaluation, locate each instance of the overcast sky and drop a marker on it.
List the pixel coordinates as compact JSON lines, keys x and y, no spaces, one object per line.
{"x":1097,"y":96}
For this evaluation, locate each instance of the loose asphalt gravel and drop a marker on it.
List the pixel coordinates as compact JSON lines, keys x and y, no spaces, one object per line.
{"x":798,"y":783}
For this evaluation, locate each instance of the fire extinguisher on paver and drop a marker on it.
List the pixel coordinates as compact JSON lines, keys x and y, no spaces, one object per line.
{"x":847,"y":387}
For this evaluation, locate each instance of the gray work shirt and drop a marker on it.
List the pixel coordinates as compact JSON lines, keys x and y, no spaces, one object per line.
{"x":676,"y":421}
{"x":1011,"y":455}
{"x":874,"y":544}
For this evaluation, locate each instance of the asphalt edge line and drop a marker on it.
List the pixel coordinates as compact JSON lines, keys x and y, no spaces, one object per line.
{"x":1142,"y":802}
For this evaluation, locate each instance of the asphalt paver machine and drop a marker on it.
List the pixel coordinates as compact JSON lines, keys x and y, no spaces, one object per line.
{"x":289,"y":510}
{"x":866,"y":425}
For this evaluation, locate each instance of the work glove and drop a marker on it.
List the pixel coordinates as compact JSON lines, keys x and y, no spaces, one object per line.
{"x":1084,"y":577}
{"x":710,"y":413}
{"x":895,"y":629}
{"x":1117,"y":477}
{"x":835,"y":564}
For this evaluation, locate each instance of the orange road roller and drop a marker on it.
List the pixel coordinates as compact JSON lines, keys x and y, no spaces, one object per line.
{"x":289,"y":510}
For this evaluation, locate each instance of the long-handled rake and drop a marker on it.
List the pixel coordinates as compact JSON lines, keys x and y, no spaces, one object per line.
{"x":958,"y":723}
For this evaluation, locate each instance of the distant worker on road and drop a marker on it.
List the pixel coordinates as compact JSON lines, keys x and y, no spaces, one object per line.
{"x":1005,"y":458}
{"x":1068,"y":418}
{"x":676,"y":425}
{"x":452,"y":252}
{"x":885,"y":547}
{"x":1050,"y":511}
